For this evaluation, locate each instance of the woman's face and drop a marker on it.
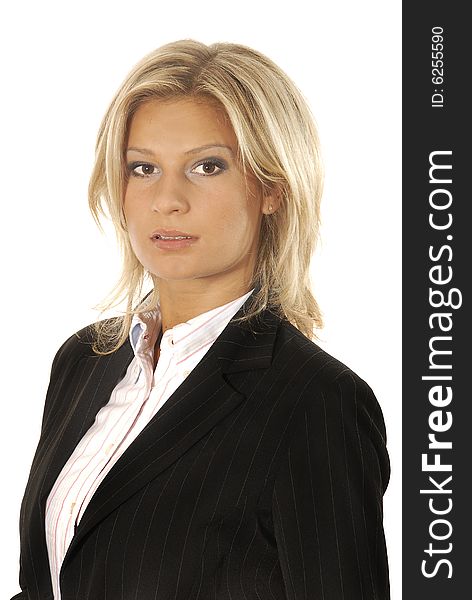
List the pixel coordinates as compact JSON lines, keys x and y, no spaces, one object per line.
{"x":183,"y":176}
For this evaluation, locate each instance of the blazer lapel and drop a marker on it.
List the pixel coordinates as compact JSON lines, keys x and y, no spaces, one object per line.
{"x":96,"y":379}
{"x":205,"y":397}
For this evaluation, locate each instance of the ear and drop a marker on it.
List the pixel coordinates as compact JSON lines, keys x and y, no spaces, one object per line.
{"x":271,"y":199}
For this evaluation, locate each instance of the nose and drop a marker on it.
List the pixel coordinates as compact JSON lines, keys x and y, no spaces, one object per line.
{"x":169,"y":194}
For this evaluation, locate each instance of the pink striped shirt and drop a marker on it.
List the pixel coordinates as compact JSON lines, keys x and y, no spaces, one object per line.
{"x":133,"y":403}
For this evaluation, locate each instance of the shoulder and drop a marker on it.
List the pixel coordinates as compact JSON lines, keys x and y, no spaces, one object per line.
{"x":310,"y":359}
{"x":319,"y":381}
{"x":78,"y":344}
{"x":76,"y":347}
{"x":331,"y":399}
{"x":74,"y":363}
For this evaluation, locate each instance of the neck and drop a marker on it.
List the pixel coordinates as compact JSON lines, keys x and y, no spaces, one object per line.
{"x":180,"y":303}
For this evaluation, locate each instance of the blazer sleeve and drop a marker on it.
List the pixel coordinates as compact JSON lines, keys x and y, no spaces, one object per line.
{"x":327,"y":498}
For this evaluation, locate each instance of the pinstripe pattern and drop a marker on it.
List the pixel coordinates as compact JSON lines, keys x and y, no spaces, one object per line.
{"x":261,"y":478}
{"x":133,"y":402}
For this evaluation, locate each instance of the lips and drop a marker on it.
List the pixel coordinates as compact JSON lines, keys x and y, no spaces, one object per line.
{"x":172,"y":239}
{"x":171,"y":234}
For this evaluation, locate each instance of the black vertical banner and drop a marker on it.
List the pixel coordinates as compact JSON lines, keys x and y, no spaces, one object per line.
{"x":437,"y":331}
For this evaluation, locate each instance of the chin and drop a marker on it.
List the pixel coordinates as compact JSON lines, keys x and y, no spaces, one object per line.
{"x":174,"y":274}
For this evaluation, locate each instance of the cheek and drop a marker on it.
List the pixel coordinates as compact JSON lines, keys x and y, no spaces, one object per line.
{"x":137,"y":233}
{"x":234,"y":213}
{"x":238,"y":227}
{"x":127,"y":208}
{"x":245,"y":217}
{"x":133,"y":213}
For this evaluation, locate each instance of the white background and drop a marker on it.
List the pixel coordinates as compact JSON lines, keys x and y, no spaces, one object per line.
{"x":61,"y":64}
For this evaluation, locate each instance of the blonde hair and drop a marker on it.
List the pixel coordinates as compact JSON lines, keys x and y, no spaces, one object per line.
{"x":278,"y":143}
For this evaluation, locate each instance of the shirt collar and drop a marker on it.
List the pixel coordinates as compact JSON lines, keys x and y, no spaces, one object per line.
{"x":184,"y":338}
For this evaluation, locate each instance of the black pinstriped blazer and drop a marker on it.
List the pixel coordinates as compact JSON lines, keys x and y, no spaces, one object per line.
{"x":261,"y":478}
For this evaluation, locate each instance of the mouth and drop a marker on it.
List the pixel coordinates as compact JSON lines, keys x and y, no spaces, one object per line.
{"x":157,"y":236}
{"x":172,"y":242}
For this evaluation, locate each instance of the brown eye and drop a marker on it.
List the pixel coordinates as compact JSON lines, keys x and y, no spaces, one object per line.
{"x":141,"y":169}
{"x":210,"y":167}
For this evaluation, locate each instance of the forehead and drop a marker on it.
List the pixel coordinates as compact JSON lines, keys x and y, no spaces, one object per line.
{"x":181,"y":121}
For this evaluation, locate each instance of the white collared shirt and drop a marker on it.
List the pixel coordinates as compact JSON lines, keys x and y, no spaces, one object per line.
{"x":133,"y":403}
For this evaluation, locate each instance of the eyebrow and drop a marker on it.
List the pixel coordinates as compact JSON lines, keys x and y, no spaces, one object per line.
{"x":192,"y":151}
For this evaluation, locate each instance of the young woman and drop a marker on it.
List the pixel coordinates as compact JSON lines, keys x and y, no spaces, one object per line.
{"x":202,"y":445}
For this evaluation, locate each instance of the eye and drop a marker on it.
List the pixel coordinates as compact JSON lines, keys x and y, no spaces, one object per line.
{"x":210,"y":166}
{"x":141,"y":169}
